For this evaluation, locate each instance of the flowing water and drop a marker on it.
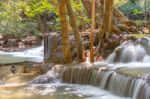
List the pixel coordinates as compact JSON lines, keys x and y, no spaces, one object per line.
{"x":130,"y":54}
{"x":56,"y":91}
{"x":13,"y":86}
{"x":33,"y":54}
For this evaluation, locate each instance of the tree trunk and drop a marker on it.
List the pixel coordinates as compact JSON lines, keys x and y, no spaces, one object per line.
{"x":65,"y":38}
{"x":107,"y":21}
{"x":145,"y":8}
{"x":87,"y":6}
{"x":42,"y":23}
{"x":82,"y":14}
{"x":75,"y":30}
{"x":99,"y":11}
{"x":92,"y":30}
{"x":118,"y":14}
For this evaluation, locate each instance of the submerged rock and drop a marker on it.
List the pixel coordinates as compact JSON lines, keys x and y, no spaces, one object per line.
{"x":146,"y":77}
{"x":49,"y":77}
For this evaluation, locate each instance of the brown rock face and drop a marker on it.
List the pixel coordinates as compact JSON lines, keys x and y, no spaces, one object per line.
{"x":21,"y":45}
{"x":1,"y":37}
{"x":31,"y":40}
{"x":53,"y":48}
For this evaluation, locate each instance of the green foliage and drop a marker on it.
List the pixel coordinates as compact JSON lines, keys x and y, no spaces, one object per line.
{"x":18,"y":17}
{"x":79,"y":11}
{"x":140,"y":22}
{"x":130,"y":7}
{"x":119,"y":2}
{"x":136,"y":11}
{"x":12,"y":24}
{"x":36,"y":7}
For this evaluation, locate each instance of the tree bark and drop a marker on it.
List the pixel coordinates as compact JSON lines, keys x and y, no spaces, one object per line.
{"x":75,"y":30}
{"x":82,"y":21}
{"x":145,"y":9}
{"x":42,"y":23}
{"x":92,"y":30}
{"x":107,"y":21}
{"x":65,"y":38}
{"x":87,"y":6}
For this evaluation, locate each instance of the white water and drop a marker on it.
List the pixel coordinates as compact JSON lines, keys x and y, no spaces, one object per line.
{"x":133,"y":54}
{"x":33,"y":54}
{"x":88,"y":92}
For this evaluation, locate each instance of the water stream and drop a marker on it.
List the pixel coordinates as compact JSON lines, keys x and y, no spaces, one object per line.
{"x":12,"y":86}
{"x":130,"y":54}
{"x":33,"y":54}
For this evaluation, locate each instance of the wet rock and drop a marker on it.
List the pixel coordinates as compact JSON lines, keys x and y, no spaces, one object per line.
{"x":1,"y":43}
{"x":122,"y":27}
{"x":129,"y":23}
{"x":31,"y":40}
{"x":86,"y":45}
{"x":49,"y":77}
{"x":146,"y":77}
{"x":136,"y":16}
{"x":1,"y":47}
{"x":1,"y":37}
{"x":133,"y":29}
{"x":10,"y":42}
{"x":47,"y":67}
{"x":21,"y":45}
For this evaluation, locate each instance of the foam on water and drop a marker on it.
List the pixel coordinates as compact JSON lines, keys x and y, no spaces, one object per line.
{"x":33,"y":54}
{"x":87,"y":92}
{"x":131,"y":54}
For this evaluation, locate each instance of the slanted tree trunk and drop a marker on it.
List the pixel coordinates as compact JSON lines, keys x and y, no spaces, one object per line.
{"x":87,"y":6}
{"x":99,"y":11}
{"x":107,"y":22}
{"x":42,"y":23}
{"x":75,"y":30}
{"x":65,"y":38}
{"x":82,"y":14}
{"x":92,"y":30}
{"x":145,"y":8}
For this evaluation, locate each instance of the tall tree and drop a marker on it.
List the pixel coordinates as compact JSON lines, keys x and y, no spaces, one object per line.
{"x":87,"y":6}
{"x":107,"y":21}
{"x":65,"y":38}
{"x":78,"y":39}
{"x":145,"y":8}
{"x":92,"y":30}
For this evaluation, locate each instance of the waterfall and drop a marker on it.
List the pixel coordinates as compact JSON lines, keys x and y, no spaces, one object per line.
{"x":33,"y":54}
{"x":112,"y":81}
{"x":131,"y":51}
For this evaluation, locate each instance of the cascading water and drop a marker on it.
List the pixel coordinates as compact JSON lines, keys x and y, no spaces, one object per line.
{"x":33,"y":54}
{"x":131,"y":53}
{"x":122,"y":85}
{"x":117,"y":84}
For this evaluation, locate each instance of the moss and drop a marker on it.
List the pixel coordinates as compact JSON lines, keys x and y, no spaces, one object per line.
{"x":133,"y":72}
{"x":140,"y":35}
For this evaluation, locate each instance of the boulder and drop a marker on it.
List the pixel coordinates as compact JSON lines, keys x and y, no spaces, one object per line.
{"x":21,"y":45}
{"x":146,"y":77}
{"x":49,"y":77}
{"x":31,"y":40}
{"x":10,"y":42}
{"x":1,"y":43}
{"x":1,"y":37}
